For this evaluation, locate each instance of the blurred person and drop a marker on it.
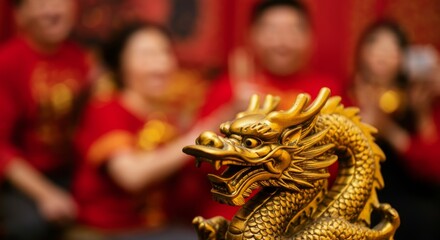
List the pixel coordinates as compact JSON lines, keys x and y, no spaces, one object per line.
{"x":41,"y":75}
{"x":130,"y":143}
{"x":280,"y":44}
{"x":407,"y":115}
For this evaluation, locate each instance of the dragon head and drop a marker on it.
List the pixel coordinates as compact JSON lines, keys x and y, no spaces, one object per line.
{"x":262,"y":147}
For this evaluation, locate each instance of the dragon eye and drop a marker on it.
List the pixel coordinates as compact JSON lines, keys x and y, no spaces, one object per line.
{"x":251,"y":142}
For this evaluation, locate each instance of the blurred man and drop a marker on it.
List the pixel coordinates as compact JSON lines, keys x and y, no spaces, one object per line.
{"x":276,"y":60}
{"x":281,"y":43}
{"x":41,"y":73}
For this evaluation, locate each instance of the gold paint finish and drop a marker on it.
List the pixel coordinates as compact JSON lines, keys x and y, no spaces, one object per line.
{"x":287,"y":154}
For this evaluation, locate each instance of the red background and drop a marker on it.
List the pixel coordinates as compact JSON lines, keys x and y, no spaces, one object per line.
{"x":221,"y":26}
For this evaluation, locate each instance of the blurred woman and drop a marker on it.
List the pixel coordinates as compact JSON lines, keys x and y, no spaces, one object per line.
{"x":129,"y":144}
{"x":380,"y":81}
{"x":409,"y":130}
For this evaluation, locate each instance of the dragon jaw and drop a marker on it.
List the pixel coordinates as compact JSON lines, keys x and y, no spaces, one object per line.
{"x":245,"y":171}
{"x":266,"y":148}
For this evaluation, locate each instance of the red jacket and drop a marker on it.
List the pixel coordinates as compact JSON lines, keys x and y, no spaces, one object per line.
{"x":108,"y":126}
{"x":37,"y":92}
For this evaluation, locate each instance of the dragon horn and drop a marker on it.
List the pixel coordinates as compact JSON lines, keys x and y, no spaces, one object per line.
{"x":254,"y":103}
{"x":270,"y":103}
{"x":319,"y":102}
{"x":299,"y":113}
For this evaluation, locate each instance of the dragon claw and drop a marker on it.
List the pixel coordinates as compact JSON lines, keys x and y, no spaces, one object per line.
{"x":390,"y":213}
{"x":390,"y":222}
{"x":211,"y":229}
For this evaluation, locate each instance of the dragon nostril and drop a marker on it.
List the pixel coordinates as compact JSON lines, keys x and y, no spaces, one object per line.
{"x":210,"y":143}
{"x":210,"y":139}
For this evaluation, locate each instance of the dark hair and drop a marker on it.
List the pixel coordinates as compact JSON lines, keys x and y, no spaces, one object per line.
{"x":370,"y":33}
{"x":387,"y":25}
{"x":113,"y":49}
{"x":16,"y":3}
{"x":265,"y":5}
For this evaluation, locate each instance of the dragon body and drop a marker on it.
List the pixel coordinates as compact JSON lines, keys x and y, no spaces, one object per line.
{"x":286,"y":154}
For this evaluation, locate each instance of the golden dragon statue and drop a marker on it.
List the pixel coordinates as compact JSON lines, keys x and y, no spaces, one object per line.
{"x":286,"y":155}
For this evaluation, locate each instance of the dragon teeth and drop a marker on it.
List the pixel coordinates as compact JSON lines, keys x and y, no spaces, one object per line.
{"x":238,"y":201}
{"x":217,"y":165}
{"x":198,"y":162}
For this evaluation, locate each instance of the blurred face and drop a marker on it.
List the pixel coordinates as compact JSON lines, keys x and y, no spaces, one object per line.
{"x":382,"y":56}
{"x":47,"y":22}
{"x":281,"y":39}
{"x":148,"y":63}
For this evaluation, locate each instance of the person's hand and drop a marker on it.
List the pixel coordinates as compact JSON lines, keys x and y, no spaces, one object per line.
{"x":243,"y":77}
{"x":367,"y":98}
{"x":420,"y":98}
{"x":424,"y":76}
{"x":435,"y":79}
{"x":57,"y":206}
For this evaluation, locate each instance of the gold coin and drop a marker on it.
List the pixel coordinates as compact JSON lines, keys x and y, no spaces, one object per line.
{"x":389,"y":102}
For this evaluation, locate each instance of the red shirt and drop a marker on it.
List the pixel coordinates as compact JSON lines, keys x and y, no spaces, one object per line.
{"x":423,"y":157}
{"x":107,"y":127}
{"x":37,"y":92}
{"x":286,"y":87}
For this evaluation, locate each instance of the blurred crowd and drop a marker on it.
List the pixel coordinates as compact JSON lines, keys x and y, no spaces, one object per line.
{"x":91,"y":139}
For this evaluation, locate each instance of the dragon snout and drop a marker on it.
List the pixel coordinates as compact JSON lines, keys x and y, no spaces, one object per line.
{"x":209,"y":139}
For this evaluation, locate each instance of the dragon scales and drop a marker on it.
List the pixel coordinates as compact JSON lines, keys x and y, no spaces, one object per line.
{"x":286,"y":154}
